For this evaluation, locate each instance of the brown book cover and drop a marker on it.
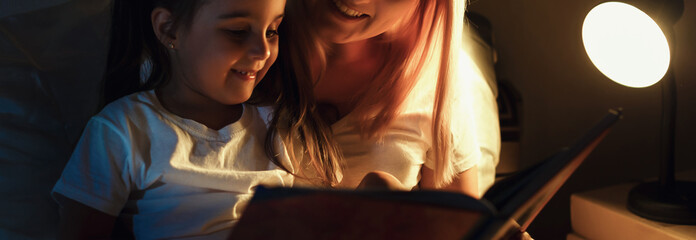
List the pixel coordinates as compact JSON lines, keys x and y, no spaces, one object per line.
{"x":505,"y":209}
{"x":283,"y":213}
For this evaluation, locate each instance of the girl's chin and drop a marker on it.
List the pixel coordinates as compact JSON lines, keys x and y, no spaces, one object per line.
{"x":236,"y":101}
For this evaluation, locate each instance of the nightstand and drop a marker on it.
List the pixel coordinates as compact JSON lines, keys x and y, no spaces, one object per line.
{"x":602,"y":214}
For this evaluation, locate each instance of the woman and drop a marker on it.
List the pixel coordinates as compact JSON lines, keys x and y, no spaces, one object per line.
{"x":367,"y":94}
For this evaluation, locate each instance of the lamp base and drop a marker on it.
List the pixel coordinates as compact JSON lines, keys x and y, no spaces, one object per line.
{"x":676,"y":206}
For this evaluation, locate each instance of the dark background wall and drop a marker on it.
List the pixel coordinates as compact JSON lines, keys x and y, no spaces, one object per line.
{"x":541,"y":53}
{"x":52,"y":54}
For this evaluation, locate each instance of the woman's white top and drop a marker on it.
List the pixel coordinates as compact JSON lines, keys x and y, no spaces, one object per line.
{"x":171,"y":177}
{"x":407,"y":143}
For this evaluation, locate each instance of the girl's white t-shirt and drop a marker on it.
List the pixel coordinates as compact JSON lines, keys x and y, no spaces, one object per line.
{"x":170,"y":177}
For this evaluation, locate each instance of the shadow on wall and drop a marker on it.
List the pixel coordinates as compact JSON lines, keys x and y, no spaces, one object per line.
{"x":52,"y":54}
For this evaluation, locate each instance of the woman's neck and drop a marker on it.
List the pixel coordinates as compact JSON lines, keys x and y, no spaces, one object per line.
{"x":351,"y":67}
{"x":352,"y":52}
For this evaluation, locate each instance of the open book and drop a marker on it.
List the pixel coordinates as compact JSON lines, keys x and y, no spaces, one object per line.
{"x":507,"y":208}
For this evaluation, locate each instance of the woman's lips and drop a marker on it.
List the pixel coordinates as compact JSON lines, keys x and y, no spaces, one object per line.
{"x":347,"y":12}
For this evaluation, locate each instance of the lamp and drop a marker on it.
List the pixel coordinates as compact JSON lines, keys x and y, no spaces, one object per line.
{"x":629,"y":47}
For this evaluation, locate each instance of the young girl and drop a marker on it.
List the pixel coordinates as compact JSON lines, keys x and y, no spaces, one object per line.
{"x":370,"y":90}
{"x":178,"y":155}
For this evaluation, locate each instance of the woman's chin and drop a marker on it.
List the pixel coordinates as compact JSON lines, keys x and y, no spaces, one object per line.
{"x":337,"y":37}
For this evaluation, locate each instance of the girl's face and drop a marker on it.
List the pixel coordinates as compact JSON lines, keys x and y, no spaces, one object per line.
{"x":347,"y":21}
{"x":228,"y":48}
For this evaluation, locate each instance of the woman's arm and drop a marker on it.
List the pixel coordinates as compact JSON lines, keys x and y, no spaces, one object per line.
{"x":465,"y":182}
{"x":78,"y":221}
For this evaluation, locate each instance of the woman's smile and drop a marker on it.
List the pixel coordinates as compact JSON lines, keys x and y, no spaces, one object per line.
{"x":345,"y":21}
{"x":348,"y":11}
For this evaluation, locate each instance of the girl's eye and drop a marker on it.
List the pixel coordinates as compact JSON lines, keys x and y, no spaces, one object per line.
{"x":272,"y":33}
{"x":237,"y":33}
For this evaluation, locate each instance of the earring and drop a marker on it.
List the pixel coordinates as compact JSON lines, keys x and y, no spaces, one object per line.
{"x":171,"y":45}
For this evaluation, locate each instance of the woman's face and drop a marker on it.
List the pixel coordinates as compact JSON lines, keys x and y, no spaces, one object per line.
{"x":345,"y":21}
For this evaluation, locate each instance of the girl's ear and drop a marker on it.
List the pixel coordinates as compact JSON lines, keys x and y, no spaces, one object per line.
{"x":161,"y":19}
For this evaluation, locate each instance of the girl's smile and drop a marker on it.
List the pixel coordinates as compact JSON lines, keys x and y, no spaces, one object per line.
{"x":219,"y":57}
{"x":226,"y":51}
{"x":248,"y":75}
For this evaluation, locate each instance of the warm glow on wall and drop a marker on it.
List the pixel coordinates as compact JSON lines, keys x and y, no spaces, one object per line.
{"x":625,"y":44}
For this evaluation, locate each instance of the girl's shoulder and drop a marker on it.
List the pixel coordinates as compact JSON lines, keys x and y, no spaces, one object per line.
{"x":265,"y":112}
{"x":135,"y":107}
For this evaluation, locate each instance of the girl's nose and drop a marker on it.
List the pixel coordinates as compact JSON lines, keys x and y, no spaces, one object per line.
{"x":259,"y":49}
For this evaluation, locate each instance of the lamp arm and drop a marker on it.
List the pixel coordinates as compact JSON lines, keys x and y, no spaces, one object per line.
{"x":667,"y":141}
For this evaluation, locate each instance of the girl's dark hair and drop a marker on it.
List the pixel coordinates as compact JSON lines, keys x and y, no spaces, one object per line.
{"x":132,"y":42}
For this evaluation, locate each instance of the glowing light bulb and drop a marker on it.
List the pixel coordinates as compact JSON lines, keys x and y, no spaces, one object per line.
{"x":625,"y":44}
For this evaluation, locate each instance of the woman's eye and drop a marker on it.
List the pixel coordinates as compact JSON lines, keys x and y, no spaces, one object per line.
{"x":272,"y":33}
